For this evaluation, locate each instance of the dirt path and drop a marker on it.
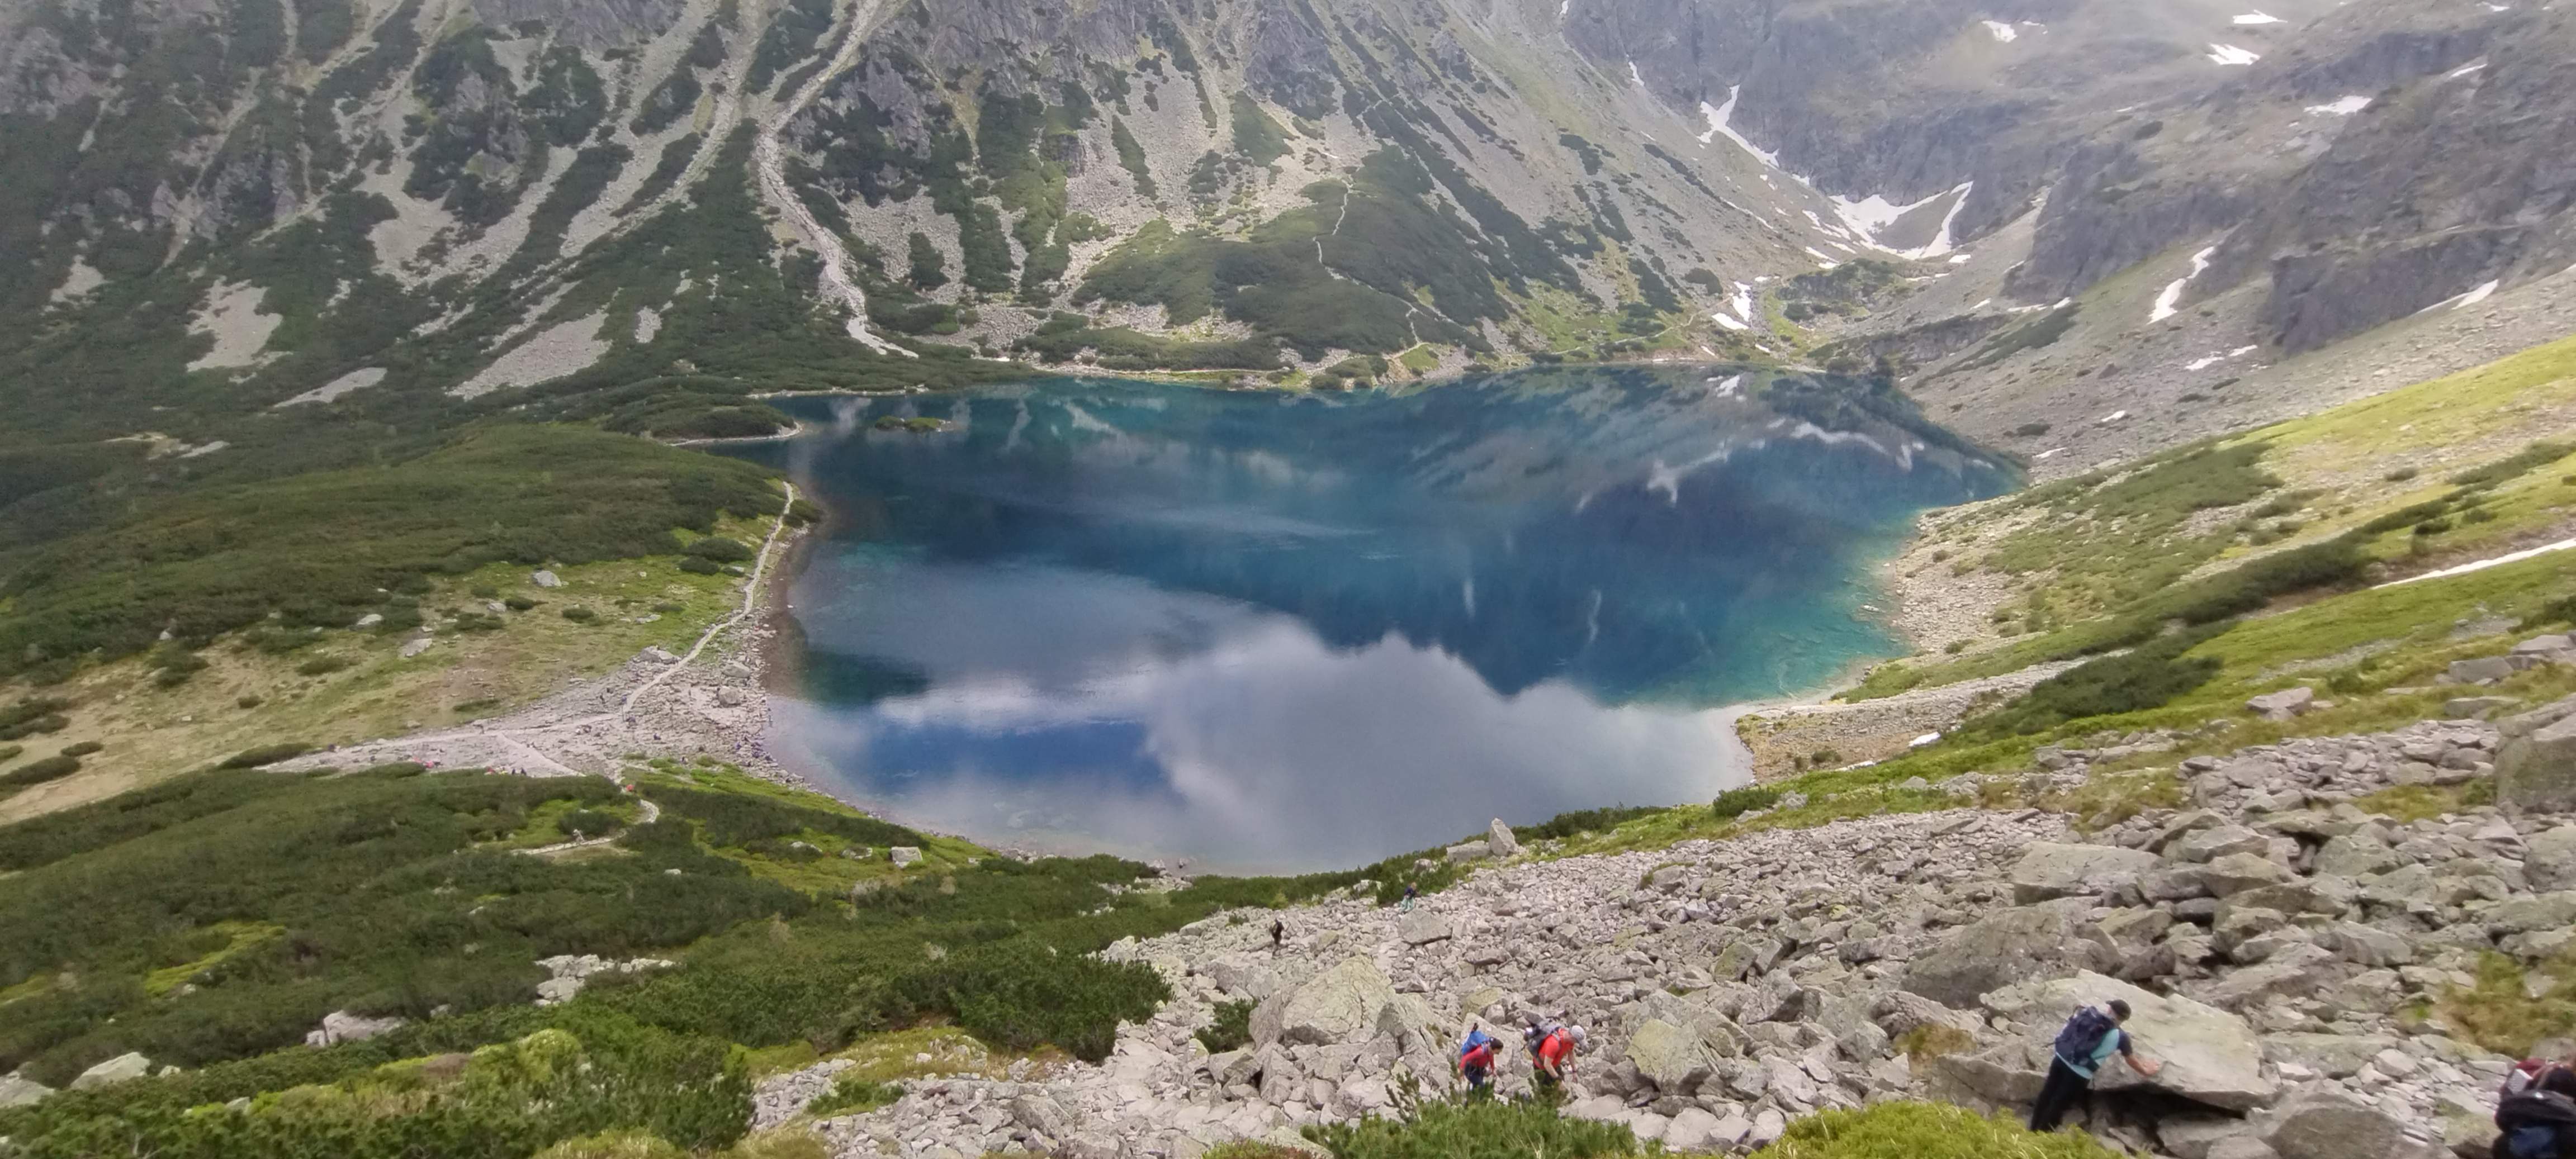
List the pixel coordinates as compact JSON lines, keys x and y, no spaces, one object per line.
{"x":651,"y":814}
{"x":676,"y":707}
{"x":766,"y":156}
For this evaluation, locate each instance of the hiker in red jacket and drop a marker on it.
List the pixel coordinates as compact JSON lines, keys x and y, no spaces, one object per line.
{"x":1476,"y":1059}
{"x":1552,"y":1047}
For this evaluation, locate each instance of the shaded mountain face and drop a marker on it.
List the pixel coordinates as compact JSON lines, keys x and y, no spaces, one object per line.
{"x":639,"y":210}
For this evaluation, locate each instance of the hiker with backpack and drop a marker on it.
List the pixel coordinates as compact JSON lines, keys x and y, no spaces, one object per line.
{"x":2088,"y":1040}
{"x":1552,"y":1046}
{"x":1476,"y":1059}
{"x":2538,"y":1123}
{"x":2536,"y":1110}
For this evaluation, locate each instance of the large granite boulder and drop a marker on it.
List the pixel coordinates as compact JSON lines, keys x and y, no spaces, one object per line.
{"x":1342,"y":1003}
{"x":130,"y":1065}
{"x":2009,"y":946}
{"x":1499,"y":840}
{"x":2535,"y":768}
{"x":1673,"y":1058}
{"x":16,"y":1091}
{"x":2549,"y":861}
{"x":2334,"y":1125}
{"x":2210,"y":1056}
{"x":2048,"y":869}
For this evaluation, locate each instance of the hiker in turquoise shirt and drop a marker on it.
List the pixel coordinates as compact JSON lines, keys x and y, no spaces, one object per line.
{"x":2089,"y":1039}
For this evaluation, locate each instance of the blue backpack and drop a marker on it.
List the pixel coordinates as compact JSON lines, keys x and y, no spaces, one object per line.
{"x":2535,"y":1125}
{"x":2083,"y":1034}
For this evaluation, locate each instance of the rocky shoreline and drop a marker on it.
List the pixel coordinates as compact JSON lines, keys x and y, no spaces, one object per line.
{"x":2288,"y":951}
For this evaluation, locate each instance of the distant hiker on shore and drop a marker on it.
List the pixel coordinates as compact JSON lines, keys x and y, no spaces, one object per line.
{"x":1476,"y":1059}
{"x":1278,"y":932}
{"x":2088,"y":1040}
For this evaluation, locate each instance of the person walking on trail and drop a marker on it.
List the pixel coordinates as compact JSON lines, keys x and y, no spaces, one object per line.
{"x":1278,"y":933}
{"x":2088,"y":1040}
{"x":1411,"y":891}
{"x":1476,"y":1059}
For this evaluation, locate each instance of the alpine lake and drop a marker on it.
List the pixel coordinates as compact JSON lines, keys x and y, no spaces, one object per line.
{"x":1289,"y":631}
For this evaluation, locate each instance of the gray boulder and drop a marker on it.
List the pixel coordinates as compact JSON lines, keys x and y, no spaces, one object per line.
{"x":16,"y":1091}
{"x":2283,"y":705}
{"x":1422,"y":928}
{"x":2536,"y":769}
{"x":545,"y":579}
{"x":2549,"y":861}
{"x":2241,"y":1147}
{"x":342,"y":1026}
{"x":2333,"y":1125}
{"x":2210,"y":1056}
{"x":904,"y":855}
{"x":2237,"y":872}
{"x":1499,"y":840}
{"x":1339,"y":1004}
{"x":2481,"y":670}
{"x":2050,"y":870}
{"x":1468,"y":851}
{"x":2332,"y":1055}
{"x":1673,"y":1058}
{"x":131,"y":1065}
{"x":2008,"y":946}
{"x":1240,"y":975}
{"x":2201,"y":846}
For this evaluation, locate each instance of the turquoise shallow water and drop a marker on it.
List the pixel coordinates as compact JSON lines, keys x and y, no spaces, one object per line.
{"x":1285,"y":632}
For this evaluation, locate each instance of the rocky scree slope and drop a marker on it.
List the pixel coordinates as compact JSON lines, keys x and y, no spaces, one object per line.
{"x":2292,"y":957}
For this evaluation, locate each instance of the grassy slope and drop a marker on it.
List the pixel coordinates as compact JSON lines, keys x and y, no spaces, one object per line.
{"x":2085,"y":549}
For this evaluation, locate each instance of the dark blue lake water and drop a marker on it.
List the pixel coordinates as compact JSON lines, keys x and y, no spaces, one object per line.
{"x":1261,"y":631}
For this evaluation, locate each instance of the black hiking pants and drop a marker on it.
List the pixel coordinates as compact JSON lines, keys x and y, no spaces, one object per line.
{"x":2058,"y":1095}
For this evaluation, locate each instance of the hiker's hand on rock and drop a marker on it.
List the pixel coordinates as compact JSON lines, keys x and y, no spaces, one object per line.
{"x":2148,"y":1066}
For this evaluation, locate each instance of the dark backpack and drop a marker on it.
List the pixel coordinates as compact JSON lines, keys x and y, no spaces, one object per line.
{"x":2536,"y":1125}
{"x":2083,"y":1034}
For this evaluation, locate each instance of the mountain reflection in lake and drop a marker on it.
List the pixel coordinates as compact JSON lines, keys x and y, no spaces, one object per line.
{"x":1289,"y":632}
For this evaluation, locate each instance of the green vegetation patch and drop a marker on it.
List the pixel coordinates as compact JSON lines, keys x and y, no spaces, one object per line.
{"x":1915,"y":1130}
{"x":319,"y":549}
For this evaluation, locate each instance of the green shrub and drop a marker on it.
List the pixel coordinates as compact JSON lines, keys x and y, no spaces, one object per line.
{"x":253,"y":758}
{"x":853,"y":1095}
{"x":36,"y":714}
{"x":37,"y":772}
{"x":9,"y":752}
{"x":2147,"y":676}
{"x":694,"y":565}
{"x":1476,"y":1128}
{"x":719,"y":549}
{"x":1911,"y":1130}
{"x":1740,"y":801}
{"x":323,"y":665}
{"x":518,"y":603}
{"x":1230,"y":1028}
{"x":82,"y":749}
{"x":588,"y":823}
{"x":2514,"y":466}
{"x":1583,"y":821}
{"x":581,"y":615}
{"x":247,"y":700}
{"x":2558,"y":611}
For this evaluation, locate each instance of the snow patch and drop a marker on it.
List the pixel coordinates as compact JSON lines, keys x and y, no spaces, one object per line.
{"x":1563,"y":7}
{"x":1719,"y":125}
{"x":2478,"y":295}
{"x":2215,"y":359}
{"x":1741,"y":301}
{"x":2230,"y":54}
{"x":1634,"y":75}
{"x":359,"y":379}
{"x":1961,"y":259}
{"x":2002,"y":31}
{"x":2343,"y":107}
{"x":2257,"y":16}
{"x":1728,"y":323}
{"x":2112,"y":417}
{"x":2168,"y":303}
{"x":2482,"y":565}
{"x":2464,"y":70}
